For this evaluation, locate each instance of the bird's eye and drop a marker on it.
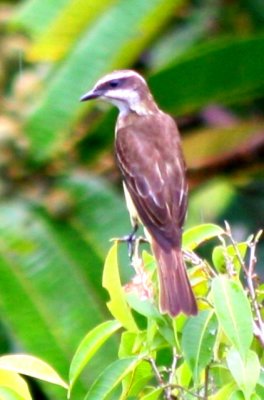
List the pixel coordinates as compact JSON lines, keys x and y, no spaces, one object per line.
{"x":114,"y":83}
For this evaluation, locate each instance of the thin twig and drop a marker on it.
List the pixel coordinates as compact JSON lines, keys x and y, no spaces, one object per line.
{"x":250,"y":284}
{"x":206,"y":382}
{"x":182,"y":389}
{"x":162,"y":384}
{"x":249,"y":274}
{"x":172,"y":370}
{"x":156,"y":371}
{"x":229,"y":263}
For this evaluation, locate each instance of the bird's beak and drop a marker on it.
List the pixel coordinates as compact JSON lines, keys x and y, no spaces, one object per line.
{"x":92,"y":94}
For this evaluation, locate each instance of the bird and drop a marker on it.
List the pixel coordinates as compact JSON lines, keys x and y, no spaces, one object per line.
{"x":149,"y":155}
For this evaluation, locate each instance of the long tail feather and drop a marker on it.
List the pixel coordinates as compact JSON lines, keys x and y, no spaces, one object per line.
{"x":176,"y":294}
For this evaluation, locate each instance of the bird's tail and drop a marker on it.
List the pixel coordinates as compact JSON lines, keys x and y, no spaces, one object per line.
{"x":176,"y":294}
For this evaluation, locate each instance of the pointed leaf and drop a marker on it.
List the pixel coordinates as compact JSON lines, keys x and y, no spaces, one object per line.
{"x":136,"y":381}
{"x":89,"y":346}
{"x":198,"y":339}
{"x":245,"y":372}
{"x":111,"y":281}
{"x":110,"y":378}
{"x":31,"y":366}
{"x":233,"y":312}
{"x":220,"y":253}
{"x":193,"y":237}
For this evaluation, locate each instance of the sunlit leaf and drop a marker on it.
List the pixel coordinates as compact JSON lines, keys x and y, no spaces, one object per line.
{"x":137,"y":380}
{"x":110,"y":378}
{"x":224,"y":393}
{"x":237,"y":395}
{"x":143,"y":307}
{"x":184,"y":374}
{"x":193,"y":237}
{"x":89,"y":346}
{"x":233,"y":312}
{"x":31,"y":366}
{"x":45,"y":48}
{"x":245,"y":372}
{"x":111,"y":281}
{"x":198,"y":339}
{"x":13,"y":381}
{"x":8,"y":394}
{"x":153,"y":394}
{"x":222,"y":254}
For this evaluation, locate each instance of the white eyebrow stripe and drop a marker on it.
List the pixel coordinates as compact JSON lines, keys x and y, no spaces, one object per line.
{"x":123,"y":73}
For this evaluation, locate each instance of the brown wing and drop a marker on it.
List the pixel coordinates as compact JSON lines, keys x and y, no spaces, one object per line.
{"x":150,"y":158}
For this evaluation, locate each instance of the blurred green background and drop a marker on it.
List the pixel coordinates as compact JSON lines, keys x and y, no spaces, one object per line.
{"x":61,"y":196}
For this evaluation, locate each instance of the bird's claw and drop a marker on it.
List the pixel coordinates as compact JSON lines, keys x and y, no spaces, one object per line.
{"x":132,"y":243}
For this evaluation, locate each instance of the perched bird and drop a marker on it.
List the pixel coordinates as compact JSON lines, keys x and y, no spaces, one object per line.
{"x":149,"y":155}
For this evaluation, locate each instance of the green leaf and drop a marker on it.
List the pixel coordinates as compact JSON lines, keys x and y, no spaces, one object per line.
{"x":245,"y":372}
{"x":9,"y":394}
{"x":110,"y":378}
{"x":131,"y":343}
{"x":208,"y":83}
{"x":154,"y":394}
{"x":111,"y":282}
{"x":143,"y":307}
{"x":36,"y":15}
{"x":31,"y":366}
{"x":221,"y":254}
{"x":198,"y":339}
{"x":92,"y":342}
{"x":237,"y":395}
{"x":224,"y":393}
{"x":184,"y":374}
{"x":44,"y":48}
{"x":12,"y":381}
{"x":193,"y":237}
{"x":137,"y":380}
{"x":233,"y":312}
{"x":52,"y":267}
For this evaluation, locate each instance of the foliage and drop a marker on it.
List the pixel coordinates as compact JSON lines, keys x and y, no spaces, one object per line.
{"x":13,"y":386}
{"x":202,"y":59}
{"x":214,"y":355}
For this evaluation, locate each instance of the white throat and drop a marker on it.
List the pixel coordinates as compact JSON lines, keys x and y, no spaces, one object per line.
{"x":126,"y":101}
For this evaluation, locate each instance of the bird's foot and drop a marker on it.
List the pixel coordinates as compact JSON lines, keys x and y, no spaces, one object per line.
{"x":132,"y":242}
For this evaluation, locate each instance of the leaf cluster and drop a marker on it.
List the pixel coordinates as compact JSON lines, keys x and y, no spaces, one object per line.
{"x":215,"y":355}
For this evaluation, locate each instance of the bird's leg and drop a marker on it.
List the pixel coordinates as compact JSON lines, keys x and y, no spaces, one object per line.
{"x":131,"y":241}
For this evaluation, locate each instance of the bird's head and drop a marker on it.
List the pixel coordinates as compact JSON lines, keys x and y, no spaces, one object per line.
{"x":126,"y":89}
